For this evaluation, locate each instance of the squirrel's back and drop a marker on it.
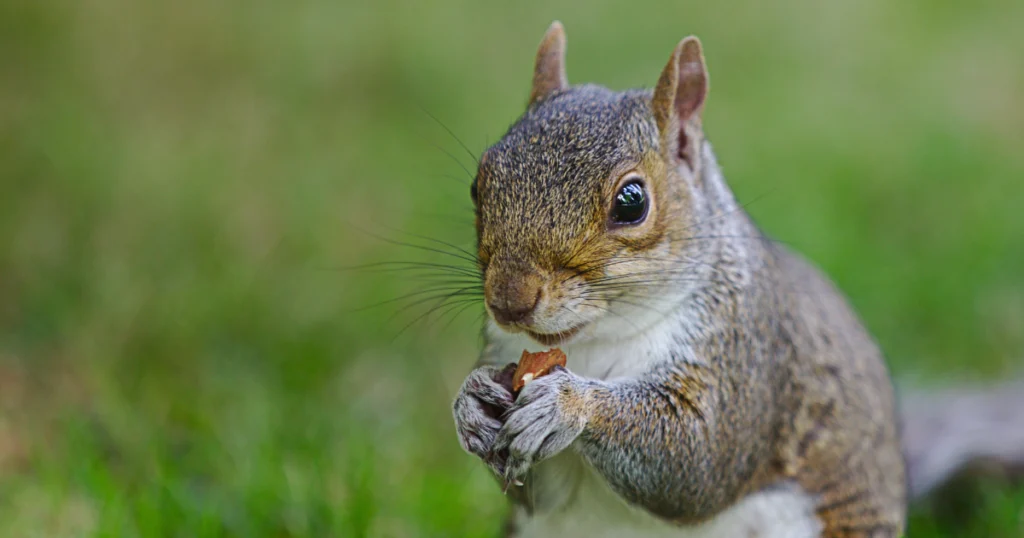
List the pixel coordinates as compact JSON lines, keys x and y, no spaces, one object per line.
{"x":842,"y":438}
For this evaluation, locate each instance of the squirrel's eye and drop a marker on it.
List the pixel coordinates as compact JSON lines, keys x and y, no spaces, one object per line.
{"x":473,"y":191}
{"x":630,"y":205}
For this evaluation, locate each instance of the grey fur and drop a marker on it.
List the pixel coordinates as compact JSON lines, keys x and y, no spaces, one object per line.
{"x":477,"y":428}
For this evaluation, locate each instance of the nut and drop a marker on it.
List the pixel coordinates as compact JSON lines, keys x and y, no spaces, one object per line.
{"x":534,"y":365}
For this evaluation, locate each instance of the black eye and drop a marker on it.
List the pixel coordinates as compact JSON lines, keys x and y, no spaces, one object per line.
{"x":630,"y":205}
{"x":473,"y":192}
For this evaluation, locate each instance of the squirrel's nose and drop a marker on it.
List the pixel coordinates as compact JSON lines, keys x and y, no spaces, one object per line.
{"x":515,"y":307}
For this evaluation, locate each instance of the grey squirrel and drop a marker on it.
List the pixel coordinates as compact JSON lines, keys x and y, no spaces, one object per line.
{"x":717,"y":384}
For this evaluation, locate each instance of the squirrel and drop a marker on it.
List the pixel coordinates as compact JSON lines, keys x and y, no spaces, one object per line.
{"x":718,"y":384}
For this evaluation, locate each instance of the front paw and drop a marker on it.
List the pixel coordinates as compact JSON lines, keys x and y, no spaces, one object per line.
{"x":549,"y":414}
{"x":477,"y":410}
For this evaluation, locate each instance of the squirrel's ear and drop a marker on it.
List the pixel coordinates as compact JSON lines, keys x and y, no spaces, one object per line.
{"x":679,"y":95}
{"x":549,"y":69}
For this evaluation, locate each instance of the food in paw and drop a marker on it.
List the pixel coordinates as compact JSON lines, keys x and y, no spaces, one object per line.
{"x":534,"y":365}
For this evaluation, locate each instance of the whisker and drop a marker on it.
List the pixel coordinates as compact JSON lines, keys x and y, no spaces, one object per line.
{"x":471,"y":259}
{"x":440,"y":296}
{"x":469,"y":256}
{"x":609,"y":309}
{"x":439,"y":303}
{"x":436,"y":291}
{"x":446,"y":281}
{"x":633,"y":280}
{"x":456,"y":315}
{"x":456,"y":179}
{"x":457,"y":161}
{"x":452,"y":134}
{"x":402,"y":266}
{"x":448,"y":308}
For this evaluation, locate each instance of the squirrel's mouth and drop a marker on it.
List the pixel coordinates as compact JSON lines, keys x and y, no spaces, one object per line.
{"x":554,"y":339}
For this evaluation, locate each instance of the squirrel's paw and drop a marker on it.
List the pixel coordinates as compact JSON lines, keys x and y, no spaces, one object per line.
{"x":545,"y":419}
{"x":478,"y":408}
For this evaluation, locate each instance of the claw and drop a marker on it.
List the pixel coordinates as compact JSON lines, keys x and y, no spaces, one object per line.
{"x":507,"y":483}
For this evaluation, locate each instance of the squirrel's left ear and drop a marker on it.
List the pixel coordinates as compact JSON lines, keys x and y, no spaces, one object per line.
{"x":549,"y":70}
{"x":679,"y":95}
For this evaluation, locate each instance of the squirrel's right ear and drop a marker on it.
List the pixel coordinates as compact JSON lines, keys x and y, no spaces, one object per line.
{"x":680,"y":93}
{"x":549,"y":69}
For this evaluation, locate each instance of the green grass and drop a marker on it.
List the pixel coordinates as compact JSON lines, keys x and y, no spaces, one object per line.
{"x":180,"y":183}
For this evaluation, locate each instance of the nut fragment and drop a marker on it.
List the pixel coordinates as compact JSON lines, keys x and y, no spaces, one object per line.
{"x":534,"y":365}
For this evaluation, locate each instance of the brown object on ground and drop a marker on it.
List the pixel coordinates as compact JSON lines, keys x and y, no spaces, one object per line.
{"x":533,"y":365}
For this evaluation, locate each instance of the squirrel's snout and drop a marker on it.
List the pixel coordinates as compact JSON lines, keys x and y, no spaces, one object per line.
{"x":515,"y":308}
{"x":513,"y":296}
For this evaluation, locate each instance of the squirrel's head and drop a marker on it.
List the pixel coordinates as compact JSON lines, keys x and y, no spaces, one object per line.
{"x":583,"y":205}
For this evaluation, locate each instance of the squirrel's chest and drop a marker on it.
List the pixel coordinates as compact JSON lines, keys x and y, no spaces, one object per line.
{"x":570,"y":500}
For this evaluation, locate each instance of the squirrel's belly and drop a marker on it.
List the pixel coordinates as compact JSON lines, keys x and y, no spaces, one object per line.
{"x":593,"y":510}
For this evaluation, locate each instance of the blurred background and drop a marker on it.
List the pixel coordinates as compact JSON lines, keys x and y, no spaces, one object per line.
{"x":185,"y":187}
